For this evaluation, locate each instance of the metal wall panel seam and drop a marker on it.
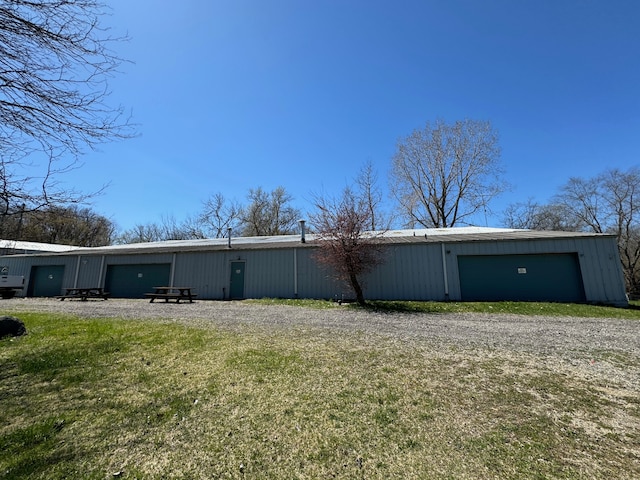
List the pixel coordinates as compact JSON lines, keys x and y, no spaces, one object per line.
{"x":101,"y":273}
{"x":444,"y":272}
{"x":173,"y":269}
{"x":75,"y":280}
{"x":295,"y":273}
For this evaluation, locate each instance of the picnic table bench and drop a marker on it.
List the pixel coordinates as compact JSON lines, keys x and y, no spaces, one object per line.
{"x":171,"y":293}
{"x":84,"y":293}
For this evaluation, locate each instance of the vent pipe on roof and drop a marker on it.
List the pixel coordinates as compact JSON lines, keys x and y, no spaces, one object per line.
{"x":302,"y":231}
{"x":229,"y":237}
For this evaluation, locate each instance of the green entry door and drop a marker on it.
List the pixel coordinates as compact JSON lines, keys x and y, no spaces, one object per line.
{"x":236,"y":287}
{"x":536,"y":277}
{"x":45,"y":281}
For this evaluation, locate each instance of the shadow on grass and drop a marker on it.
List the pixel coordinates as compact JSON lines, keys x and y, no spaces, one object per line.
{"x":35,"y":450}
{"x":397,"y":307}
{"x":506,"y":307}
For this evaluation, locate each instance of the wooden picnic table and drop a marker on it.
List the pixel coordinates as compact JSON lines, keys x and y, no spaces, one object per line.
{"x":171,"y":293}
{"x":83,"y":293}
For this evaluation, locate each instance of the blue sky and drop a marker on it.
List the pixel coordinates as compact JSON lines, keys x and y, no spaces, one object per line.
{"x":236,"y":94}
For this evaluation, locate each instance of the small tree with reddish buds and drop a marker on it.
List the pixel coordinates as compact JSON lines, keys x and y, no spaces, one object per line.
{"x":345,"y":245}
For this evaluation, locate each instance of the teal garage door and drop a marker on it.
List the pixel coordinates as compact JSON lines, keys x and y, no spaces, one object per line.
{"x":536,"y":277}
{"x":133,"y":281}
{"x":45,"y":281}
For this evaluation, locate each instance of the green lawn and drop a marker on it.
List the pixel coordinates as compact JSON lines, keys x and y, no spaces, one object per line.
{"x":136,"y":399}
{"x":522,"y":308}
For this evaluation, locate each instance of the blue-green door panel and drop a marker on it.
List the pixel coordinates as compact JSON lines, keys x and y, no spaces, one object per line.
{"x":236,"y":286}
{"x":45,"y":281}
{"x":133,"y":281}
{"x":527,"y":277}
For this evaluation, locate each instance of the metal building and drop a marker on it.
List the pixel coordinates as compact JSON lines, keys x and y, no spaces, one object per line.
{"x":470,"y":263}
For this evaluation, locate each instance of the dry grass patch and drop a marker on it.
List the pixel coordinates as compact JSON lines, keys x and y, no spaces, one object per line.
{"x":135,"y":399}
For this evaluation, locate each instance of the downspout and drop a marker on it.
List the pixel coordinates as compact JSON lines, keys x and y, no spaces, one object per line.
{"x":100,"y":277}
{"x":444,"y":272}
{"x":173,"y":269}
{"x":295,"y":273}
{"x":295,"y":258}
{"x":75,"y":280}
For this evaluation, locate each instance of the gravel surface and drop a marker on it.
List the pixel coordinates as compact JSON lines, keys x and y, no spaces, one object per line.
{"x":603,"y":348}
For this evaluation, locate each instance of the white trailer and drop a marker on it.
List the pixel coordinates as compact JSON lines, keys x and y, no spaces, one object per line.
{"x":10,"y":285}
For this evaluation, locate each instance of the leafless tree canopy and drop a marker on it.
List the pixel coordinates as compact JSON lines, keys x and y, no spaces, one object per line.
{"x":534,"y":216}
{"x":610,"y":203}
{"x":55,"y":60}
{"x":444,"y":174}
{"x":168,"y":228}
{"x":346,"y":245}
{"x":368,"y":186}
{"x":219,"y":216}
{"x":269,"y":213}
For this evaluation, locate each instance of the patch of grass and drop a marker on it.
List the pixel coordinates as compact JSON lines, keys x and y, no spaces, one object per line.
{"x":296,"y":302}
{"x":521,"y":308}
{"x":147,"y":400}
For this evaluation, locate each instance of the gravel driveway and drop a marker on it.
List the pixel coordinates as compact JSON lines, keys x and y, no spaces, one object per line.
{"x":588,"y":344}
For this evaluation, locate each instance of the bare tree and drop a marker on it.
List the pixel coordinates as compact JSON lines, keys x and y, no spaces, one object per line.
{"x":219,"y":215}
{"x":606,"y":203}
{"x":444,"y":174}
{"x":55,"y":60}
{"x":368,"y":186}
{"x":168,"y":228}
{"x":534,"y":216}
{"x":269,"y":213}
{"x":171,"y":229}
{"x":609,"y":203}
{"x":346,"y":245}
{"x":141,"y":233}
{"x":585,"y":201}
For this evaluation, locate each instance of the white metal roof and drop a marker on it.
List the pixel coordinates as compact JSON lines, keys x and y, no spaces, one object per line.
{"x":456,"y":234}
{"x":421,"y":232}
{"x":16,"y":245}
{"x":281,"y":240}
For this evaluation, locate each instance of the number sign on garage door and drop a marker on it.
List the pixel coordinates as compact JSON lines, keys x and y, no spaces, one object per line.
{"x":536,"y":277}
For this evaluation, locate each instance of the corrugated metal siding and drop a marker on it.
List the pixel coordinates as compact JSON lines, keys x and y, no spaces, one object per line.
{"x":207,"y":273}
{"x":410,"y":272}
{"x":17,"y":265}
{"x":315,"y":280}
{"x":139,"y":259}
{"x":601,"y":270}
{"x":21,"y":265}
{"x":413,"y":269}
{"x":269,"y":273}
{"x":90,"y":274}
